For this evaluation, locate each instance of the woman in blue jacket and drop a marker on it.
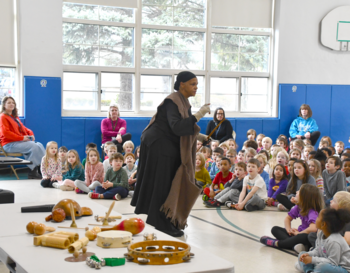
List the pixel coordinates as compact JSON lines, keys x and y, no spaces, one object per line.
{"x":304,"y":126}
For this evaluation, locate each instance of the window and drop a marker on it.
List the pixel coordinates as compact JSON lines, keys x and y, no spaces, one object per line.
{"x":132,"y":57}
{"x":7,"y":84}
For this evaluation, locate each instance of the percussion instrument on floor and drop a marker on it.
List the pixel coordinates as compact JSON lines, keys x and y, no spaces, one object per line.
{"x":114,"y":239}
{"x":133,"y":225}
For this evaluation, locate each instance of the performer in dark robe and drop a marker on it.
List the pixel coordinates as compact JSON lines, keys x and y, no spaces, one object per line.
{"x":165,"y":189}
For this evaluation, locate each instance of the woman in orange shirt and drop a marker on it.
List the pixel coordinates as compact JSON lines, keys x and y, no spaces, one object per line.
{"x":16,"y":138}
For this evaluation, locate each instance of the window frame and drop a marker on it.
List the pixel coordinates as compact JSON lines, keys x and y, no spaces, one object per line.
{"x":207,"y":73}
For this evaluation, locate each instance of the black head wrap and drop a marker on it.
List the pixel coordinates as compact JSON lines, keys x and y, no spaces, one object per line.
{"x":183,"y":76}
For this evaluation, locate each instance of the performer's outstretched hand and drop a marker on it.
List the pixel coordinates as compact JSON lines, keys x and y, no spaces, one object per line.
{"x":202,"y":111}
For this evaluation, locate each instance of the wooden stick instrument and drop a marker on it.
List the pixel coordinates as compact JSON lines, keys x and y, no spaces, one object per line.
{"x":105,"y":221}
{"x":72,"y":213}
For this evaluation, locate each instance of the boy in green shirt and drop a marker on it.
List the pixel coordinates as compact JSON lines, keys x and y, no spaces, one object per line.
{"x":116,"y":184}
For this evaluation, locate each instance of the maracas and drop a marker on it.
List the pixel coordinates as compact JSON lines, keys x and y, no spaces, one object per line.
{"x":133,"y":225}
{"x":38,"y":229}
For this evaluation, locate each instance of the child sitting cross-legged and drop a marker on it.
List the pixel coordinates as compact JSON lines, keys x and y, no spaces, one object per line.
{"x":254,"y":193}
{"x":75,"y":172}
{"x":230,"y":195}
{"x":218,"y":152}
{"x":309,"y":203}
{"x":87,"y":148}
{"x":202,"y":176}
{"x":130,"y":168}
{"x":93,"y":173}
{"x":111,"y":150}
{"x":278,"y":184}
{"x":116,"y":181}
{"x":316,"y":171}
{"x":51,"y":166}
{"x":264,"y":175}
{"x":62,"y":153}
{"x":232,"y":154}
{"x":222,"y":177}
{"x":331,"y":253}
{"x":206,"y":151}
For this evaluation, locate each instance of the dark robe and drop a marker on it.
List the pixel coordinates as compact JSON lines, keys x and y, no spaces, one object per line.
{"x":159,"y":160}
{"x":223,"y":133}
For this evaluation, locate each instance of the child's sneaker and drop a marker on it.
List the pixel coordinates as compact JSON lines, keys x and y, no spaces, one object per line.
{"x":66,"y":188}
{"x":77,"y":190}
{"x":213,"y":204}
{"x":117,"y":197}
{"x":268,"y":241}
{"x":55,"y":185}
{"x":205,"y":197}
{"x":229,"y":204}
{"x":131,"y":193}
{"x":94,"y":195}
{"x":298,"y":267}
{"x":299,"y":248}
{"x":281,"y":207}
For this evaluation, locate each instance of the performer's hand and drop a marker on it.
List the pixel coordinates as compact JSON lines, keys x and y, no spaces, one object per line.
{"x":202,"y":111}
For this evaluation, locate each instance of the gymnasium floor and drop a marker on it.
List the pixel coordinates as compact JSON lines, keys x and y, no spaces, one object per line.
{"x":231,"y":234}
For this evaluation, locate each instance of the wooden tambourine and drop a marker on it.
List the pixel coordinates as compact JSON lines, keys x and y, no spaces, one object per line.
{"x":159,"y":252}
{"x":114,"y":239}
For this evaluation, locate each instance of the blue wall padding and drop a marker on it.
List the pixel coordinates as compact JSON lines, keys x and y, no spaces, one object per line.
{"x":73,"y":130}
{"x":329,"y":103}
{"x":42,"y":108}
{"x":340,"y":113}
{"x":319,"y":98}
{"x":289,"y":104}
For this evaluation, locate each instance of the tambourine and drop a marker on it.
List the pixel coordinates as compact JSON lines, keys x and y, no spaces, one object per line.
{"x":159,"y":252}
{"x":114,"y":239}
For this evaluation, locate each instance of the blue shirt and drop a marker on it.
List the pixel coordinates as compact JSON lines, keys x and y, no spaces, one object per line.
{"x":301,"y":126}
{"x":213,"y":171}
{"x":266,"y":178}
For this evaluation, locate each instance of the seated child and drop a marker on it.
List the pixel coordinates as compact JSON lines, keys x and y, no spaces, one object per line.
{"x":254,"y":194}
{"x":307,"y":150}
{"x":199,"y":144}
{"x":316,"y":171}
{"x":321,"y":157}
{"x":259,"y":139}
{"x":225,"y":147}
{"x":295,"y":153}
{"x":137,"y":155}
{"x":299,"y":144}
{"x":51,"y":167}
{"x":111,"y":150}
{"x":323,"y":144}
{"x":128,"y":147}
{"x":282,"y":142}
{"x":312,"y":155}
{"x":232,"y":154}
{"x":264,"y":175}
{"x":331,"y":253}
{"x":307,"y":141}
{"x":214,"y":144}
{"x":202,"y":176}
{"x":275,"y":149}
{"x":309,"y":204}
{"x":346,"y":170}
{"x":282,"y":158}
{"x":231,"y":143}
{"x":93,"y":173}
{"x":116,"y":181}
{"x":339,"y":147}
{"x":214,"y":168}
{"x":220,"y":179}
{"x":240,"y":156}
{"x":341,"y":200}
{"x":333,"y":178}
{"x":75,"y":172}
{"x":230,"y":195}
{"x":87,"y":148}
{"x":130,"y":168}
{"x":62,"y":153}
{"x":207,"y":156}
{"x":344,"y":156}
{"x":249,"y":154}
{"x":105,"y":148}
{"x":278,"y":184}
{"x":267,"y":143}
{"x":251,"y":144}
{"x":251,"y":134}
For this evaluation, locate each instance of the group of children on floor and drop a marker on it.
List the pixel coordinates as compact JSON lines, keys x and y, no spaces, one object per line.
{"x":111,"y":178}
{"x":310,"y":185}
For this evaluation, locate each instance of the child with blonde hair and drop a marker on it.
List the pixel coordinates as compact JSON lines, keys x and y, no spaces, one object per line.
{"x":266,"y":144}
{"x":273,"y":160}
{"x":225,"y":147}
{"x":202,"y":176}
{"x":105,"y":148}
{"x":259,"y":139}
{"x":231,"y":143}
{"x":307,"y":150}
{"x":251,"y":134}
{"x":75,"y":172}
{"x":249,"y":154}
{"x":51,"y":166}
{"x":206,"y":151}
{"x":214,"y":144}
{"x":307,"y":141}
{"x":112,"y":149}
{"x":339,"y":147}
{"x":328,"y":139}
{"x":128,"y":147}
{"x":316,"y":171}
{"x":93,"y":173}
{"x":264,"y":175}
{"x":299,"y":144}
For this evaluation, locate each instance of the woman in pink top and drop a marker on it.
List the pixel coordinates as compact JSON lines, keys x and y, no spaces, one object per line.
{"x":114,"y":128}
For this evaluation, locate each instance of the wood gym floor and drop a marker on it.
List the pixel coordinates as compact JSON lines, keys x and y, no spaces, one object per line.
{"x":232,"y":235}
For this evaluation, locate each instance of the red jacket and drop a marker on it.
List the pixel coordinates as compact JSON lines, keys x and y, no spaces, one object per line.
{"x":10,"y":131}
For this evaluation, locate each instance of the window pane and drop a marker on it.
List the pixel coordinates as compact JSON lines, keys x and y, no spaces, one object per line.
{"x":114,"y":14}
{"x":157,"y":15}
{"x":158,"y":2}
{"x":198,"y":100}
{"x":116,"y":36}
{"x":189,"y":40}
{"x":187,"y":17}
{"x":79,"y":11}
{"x":117,"y":56}
{"x":80,"y":34}
{"x":223,"y":86}
{"x":253,"y":62}
{"x":224,"y":61}
{"x":79,"y":81}
{"x":190,"y":4}
{"x":159,"y":84}
{"x":228,"y":102}
{"x":225,"y":42}
{"x":156,"y":38}
{"x":254,"y":86}
{"x":254,"y":103}
{"x":188,"y":60}
{"x":79,"y":100}
{"x":118,"y":88}
{"x":80,"y":55}
{"x":156,"y":58}
{"x":149,"y":101}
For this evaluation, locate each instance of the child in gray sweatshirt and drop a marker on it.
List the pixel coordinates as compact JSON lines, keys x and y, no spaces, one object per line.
{"x":334,"y":179}
{"x":332,"y":253}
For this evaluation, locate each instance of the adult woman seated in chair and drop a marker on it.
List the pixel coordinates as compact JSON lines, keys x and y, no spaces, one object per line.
{"x":304,"y":126}
{"x":16,"y":138}
{"x":224,"y":131}
{"x":114,"y":128}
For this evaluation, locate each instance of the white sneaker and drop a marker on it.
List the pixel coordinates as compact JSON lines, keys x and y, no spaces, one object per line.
{"x":117,"y":197}
{"x":281,"y":207}
{"x":298,"y":267}
{"x":131,"y":193}
{"x":66,"y":188}
{"x":299,"y":248}
{"x":55,"y":185}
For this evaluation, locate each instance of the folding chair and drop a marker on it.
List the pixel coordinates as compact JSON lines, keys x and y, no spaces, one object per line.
{"x":3,"y":153}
